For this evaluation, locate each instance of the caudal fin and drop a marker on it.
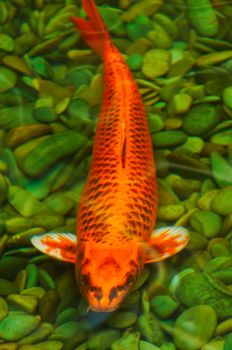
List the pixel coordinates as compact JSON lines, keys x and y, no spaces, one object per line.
{"x":93,"y":31}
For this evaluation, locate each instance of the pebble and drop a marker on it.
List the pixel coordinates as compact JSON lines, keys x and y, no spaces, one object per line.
{"x":206,"y":222}
{"x":217,"y":344}
{"x":214,"y":58}
{"x":223,"y":138}
{"x":165,"y":139}
{"x":24,"y":202}
{"x":197,"y":241}
{"x":17,"y":63}
{"x":222,"y":201}
{"x":45,"y":114}
{"x":6,"y":43}
{"x":144,"y":345}
{"x":132,"y":299}
{"x":32,"y":276}
{"x":198,"y":288}
{"x":146,"y":7}
{"x":25,"y":303}
{"x":150,"y":329}
{"x":15,"y":116}
{"x":15,"y":327}
{"x":7,"y":79}
{"x":46,"y":280}
{"x":7,"y":287}
{"x":205,"y":201}
{"x":166,"y":195}
{"x":172,"y":124}
{"x":135,"y":61}
{"x":65,"y":282}
{"x":195,"y":124}
{"x":193,"y":146}
{"x":3,"y":12}
{"x":171,"y":212}
{"x":65,"y":331}
{"x":3,"y":309}
{"x":50,"y":345}
{"x":203,"y":17}
{"x":160,"y":39}
{"x":52,"y":149}
{"x":139,"y":27}
{"x":156,"y":63}
{"x":168,"y":346}
{"x":67,"y":315}
{"x":22,"y":134}
{"x":221,"y":169}
{"x":40,"y":334}
{"x":48,"y":306}
{"x":103,"y":339}
{"x":164,"y":306}
{"x":122,"y":319}
{"x":190,"y":332}
{"x":155,"y":122}
{"x":227,"y":97}
{"x":60,"y":203}
{"x":127,"y":341}
{"x":228,"y":343}
{"x":180,"y":104}
{"x":8,"y":346}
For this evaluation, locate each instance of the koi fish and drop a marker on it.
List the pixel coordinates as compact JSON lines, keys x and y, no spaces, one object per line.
{"x":118,"y":206}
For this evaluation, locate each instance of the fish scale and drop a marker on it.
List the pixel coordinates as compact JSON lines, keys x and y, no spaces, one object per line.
{"x":119,"y":201}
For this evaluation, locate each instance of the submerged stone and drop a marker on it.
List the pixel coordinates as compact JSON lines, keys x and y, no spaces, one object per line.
{"x":165,"y":139}
{"x":7,"y":79}
{"x":206,"y":222}
{"x":122,"y":319}
{"x":25,"y":303}
{"x":40,"y":334}
{"x":190,"y":331}
{"x":164,"y":306}
{"x":146,"y":7}
{"x":15,"y":327}
{"x":200,"y":119}
{"x":6,"y":43}
{"x":144,"y":345}
{"x":135,"y":61}
{"x":221,"y":169}
{"x":156,"y":63}
{"x":103,"y":339}
{"x":3,"y":309}
{"x":222,"y":202}
{"x":150,"y":329}
{"x":127,"y":341}
{"x":203,"y":17}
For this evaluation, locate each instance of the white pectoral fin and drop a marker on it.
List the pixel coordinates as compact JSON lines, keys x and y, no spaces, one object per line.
{"x":61,"y":246}
{"x":165,"y":242}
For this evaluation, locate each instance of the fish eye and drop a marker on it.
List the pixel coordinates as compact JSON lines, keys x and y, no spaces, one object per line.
{"x":84,"y":280}
{"x":130,"y":279}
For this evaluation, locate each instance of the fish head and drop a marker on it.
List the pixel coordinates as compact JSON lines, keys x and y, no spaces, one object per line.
{"x":106,"y":274}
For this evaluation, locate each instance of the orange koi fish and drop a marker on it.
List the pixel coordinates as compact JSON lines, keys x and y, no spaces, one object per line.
{"x":118,"y":207}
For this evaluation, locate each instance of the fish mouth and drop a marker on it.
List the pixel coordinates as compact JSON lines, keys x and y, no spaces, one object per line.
{"x":102,"y":309}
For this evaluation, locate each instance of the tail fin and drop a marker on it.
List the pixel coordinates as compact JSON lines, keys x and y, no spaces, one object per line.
{"x":93,"y":31}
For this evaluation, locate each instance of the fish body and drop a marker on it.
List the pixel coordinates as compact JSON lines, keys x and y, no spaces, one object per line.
{"x":118,"y":207}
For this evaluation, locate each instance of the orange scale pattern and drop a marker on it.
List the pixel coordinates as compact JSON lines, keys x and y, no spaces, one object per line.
{"x":119,"y":201}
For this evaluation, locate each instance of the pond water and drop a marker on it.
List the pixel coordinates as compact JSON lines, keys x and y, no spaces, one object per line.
{"x":180,"y":53}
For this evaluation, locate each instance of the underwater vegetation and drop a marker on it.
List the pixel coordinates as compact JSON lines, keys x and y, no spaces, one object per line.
{"x":180,"y":53}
